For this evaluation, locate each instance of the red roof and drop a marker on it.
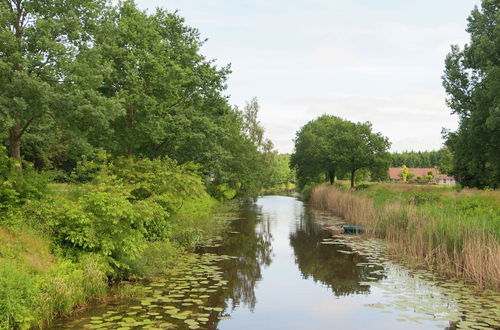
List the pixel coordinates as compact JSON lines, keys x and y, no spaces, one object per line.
{"x":394,"y":172}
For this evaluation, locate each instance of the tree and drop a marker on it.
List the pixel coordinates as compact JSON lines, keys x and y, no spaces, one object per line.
{"x":445,"y":164}
{"x":329,"y":145}
{"x":472,"y":81}
{"x":315,"y":156}
{"x":39,"y":46}
{"x":170,"y":93}
{"x":253,"y":128}
{"x":359,"y":148}
{"x":404,"y":173}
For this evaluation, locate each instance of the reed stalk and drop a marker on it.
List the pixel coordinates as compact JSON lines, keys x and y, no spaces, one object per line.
{"x":435,"y":235}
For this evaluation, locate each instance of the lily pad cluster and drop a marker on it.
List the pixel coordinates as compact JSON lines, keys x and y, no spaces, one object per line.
{"x":419,"y":296}
{"x":183,"y":300}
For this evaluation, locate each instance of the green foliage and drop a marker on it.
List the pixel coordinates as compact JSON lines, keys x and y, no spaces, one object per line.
{"x":16,"y":186}
{"x":74,"y":90}
{"x":45,"y":51}
{"x":440,"y":159}
{"x":472,"y":81}
{"x":70,"y":284}
{"x":35,"y":284}
{"x":127,"y":204}
{"x":103,"y":221}
{"x":150,"y":264}
{"x":87,"y":169}
{"x":132,"y":218}
{"x":404,"y":173}
{"x":328,"y":146}
{"x":18,"y":297}
{"x":282,"y":175}
{"x":86,"y":84}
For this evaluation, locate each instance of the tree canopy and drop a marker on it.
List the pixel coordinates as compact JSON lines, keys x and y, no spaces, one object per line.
{"x":440,"y":159}
{"x":330,"y":146}
{"x":472,"y":81}
{"x":81,"y":77}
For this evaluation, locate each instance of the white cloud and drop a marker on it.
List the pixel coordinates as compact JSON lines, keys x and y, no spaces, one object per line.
{"x":410,"y":121}
{"x":365,"y":61}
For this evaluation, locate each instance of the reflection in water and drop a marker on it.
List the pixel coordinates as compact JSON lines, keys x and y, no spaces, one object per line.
{"x":287,"y":273}
{"x":249,"y":238}
{"x":324,"y":263}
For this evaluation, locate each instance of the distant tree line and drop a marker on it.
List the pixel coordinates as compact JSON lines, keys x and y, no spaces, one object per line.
{"x":440,"y":159}
{"x":329,"y":147}
{"x":78,"y":77}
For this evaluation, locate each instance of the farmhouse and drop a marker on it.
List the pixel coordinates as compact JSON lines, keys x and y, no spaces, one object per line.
{"x":441,"y":179}
{"x":446,"y":180}
{"x":394,"y":172}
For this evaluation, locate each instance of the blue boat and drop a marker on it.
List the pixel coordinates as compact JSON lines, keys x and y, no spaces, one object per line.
{"x":353,"y":229}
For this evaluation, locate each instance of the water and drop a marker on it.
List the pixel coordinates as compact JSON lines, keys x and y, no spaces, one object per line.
{"x":278,"y":267}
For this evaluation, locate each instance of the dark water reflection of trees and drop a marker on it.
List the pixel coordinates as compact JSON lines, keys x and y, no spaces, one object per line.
{"x":249,"y":238}
{"x":323,"y":263}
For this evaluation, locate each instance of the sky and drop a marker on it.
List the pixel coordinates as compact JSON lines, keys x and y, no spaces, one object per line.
{"x":362,"y":60}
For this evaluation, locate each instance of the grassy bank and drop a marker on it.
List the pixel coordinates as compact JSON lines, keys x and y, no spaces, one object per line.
{"x":61,"y":245}
{"x":454,"y":233}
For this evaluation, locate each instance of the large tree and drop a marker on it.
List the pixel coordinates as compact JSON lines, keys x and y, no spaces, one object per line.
{"x":359,"y":148}
{"x":171,"y":94}
{"x":315,"y":156}
{"x":328,"y":146}
{"x":42,"y":58}
{"x":472,"y":81}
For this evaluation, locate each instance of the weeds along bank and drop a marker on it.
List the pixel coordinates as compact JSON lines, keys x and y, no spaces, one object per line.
{"x":454,"y":233}
{"x":60,"y":245}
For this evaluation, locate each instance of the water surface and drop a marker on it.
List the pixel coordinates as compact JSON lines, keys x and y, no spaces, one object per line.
{"x":278,"y":267}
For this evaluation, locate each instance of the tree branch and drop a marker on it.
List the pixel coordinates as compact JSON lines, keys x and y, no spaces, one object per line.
{"x":26,"y":126}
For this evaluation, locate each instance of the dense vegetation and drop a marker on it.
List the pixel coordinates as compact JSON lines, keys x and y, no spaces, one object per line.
{"x":330,"y":147}
{"x":81,"y":77}
{"x":117,"y":144}
{"x":472,"y":81}
{"x":454,"y":233}
{"x":60,"y":244}
{"x":440,"y":159}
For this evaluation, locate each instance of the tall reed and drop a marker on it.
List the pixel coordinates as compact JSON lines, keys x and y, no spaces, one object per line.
{"x":436,"y":235}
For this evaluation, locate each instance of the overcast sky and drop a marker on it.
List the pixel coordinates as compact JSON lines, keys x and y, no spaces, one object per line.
{"x":363,"y":60}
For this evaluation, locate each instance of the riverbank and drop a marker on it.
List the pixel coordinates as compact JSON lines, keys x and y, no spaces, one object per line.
{"x":454,"y":233}
{"x":131,"y":219}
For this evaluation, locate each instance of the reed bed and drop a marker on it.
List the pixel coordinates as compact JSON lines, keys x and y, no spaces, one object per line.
{"x":456,"y":234}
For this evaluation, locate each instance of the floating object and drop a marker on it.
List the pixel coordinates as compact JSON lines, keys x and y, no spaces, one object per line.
{"x":353,"y":229}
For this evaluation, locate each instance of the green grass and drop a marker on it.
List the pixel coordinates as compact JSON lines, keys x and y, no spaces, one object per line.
{"x":36,"y":285}
{"x":41,"y":279}
{"x":454,"y":232}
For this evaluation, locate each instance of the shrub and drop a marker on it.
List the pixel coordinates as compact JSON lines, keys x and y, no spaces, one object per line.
{"x":87,"y":169}
{"x":17,"y":186}
{"x":103,"y":221}
{"x":156,"y":259}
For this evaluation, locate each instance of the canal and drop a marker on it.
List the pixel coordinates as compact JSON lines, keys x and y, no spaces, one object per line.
{"x":282,"y":266}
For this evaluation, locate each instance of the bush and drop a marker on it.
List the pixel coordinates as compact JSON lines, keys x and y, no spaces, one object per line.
{"x":129,"y":203}
{"x":17,"y":186}
{"x":103,"y":221}
{"x":157,"y":258}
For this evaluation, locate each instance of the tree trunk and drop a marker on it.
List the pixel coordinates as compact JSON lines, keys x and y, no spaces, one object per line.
{"x":15,"y":133}
{"x":353,"y":172}
{"x":331,"y":176}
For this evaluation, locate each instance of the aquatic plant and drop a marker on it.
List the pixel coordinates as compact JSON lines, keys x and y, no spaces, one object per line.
{"x":454,"y":233}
